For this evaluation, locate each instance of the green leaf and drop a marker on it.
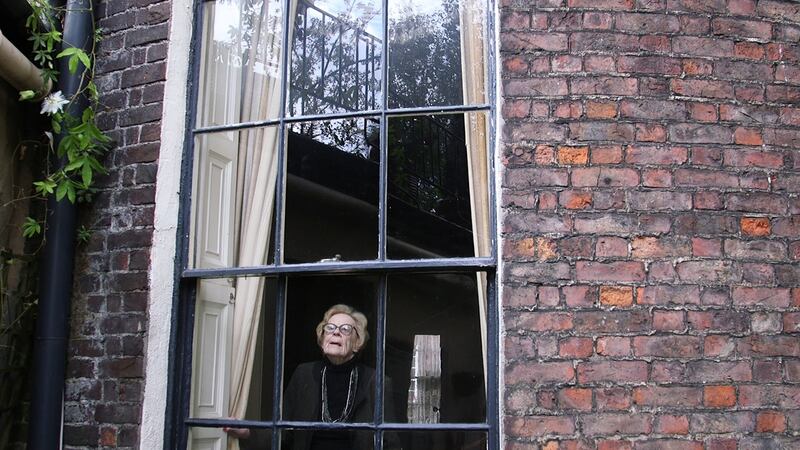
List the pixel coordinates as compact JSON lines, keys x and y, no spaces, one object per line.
{"x":26,"y":95}
{"x":31,"y":227}
{"x":86,"y":174}
{"x":84,"y":58}
{"x":67,"y":52}
{"x":73,"y":64}
{"x":71,"y":193}
{"x":44,"y":187}
{"x":62,"y":189}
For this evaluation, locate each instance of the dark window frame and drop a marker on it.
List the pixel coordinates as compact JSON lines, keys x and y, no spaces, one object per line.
{"x":178,"y":422}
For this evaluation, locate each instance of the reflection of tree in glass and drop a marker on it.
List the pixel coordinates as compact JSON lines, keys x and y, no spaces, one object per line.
{"x":425,"y":56}
{"x":335,"y":61}
{"x":355,"y":136}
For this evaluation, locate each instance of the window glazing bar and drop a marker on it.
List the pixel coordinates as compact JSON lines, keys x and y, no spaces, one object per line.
{"x":296,"y":425}
{"x":399,"y":112}
{"x":353,"y":267}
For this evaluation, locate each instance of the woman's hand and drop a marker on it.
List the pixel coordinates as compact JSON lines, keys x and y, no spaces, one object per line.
{"x":238,"y":433}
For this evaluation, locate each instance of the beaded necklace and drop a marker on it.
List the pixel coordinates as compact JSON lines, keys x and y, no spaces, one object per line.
{"x":351,"y":391}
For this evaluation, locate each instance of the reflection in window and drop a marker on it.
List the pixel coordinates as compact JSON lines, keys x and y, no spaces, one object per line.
{"x":332,"y":191}
{"x":235,"y":173}
{"x":336,"y":56}
{"x":434,"y":47}
{"x":437,"y":186}
{"x":240,"y":67}
{"x":447,"y":306}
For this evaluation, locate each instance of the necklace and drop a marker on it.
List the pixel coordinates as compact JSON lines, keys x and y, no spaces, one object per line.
{"x":351,"y":390}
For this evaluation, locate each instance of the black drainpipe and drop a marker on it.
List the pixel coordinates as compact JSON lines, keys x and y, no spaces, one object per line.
{"x":57,"y":264}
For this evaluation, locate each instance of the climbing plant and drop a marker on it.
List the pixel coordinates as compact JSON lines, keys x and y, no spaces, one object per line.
{"x":79,"y":144}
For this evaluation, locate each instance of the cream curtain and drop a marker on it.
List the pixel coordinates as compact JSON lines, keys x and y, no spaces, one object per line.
{"x":473,"y":70}
{"x":259,"y":169}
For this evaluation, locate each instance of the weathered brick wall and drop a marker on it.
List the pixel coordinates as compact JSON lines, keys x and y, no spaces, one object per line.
{"x":652,"y":224}
{"x":109,"y":313}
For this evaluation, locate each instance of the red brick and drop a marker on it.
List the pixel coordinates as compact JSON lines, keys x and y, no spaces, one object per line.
{"x":769,"y":396}
{"x":601,"y":4}
{"x":738,"y":28}
{"x":696,"y":67}
{"x":770,"y":422}
{"x":749,"y":50}
{"x":526,"y":41}
{"x":612,"y":271}
{"x":611,"y":246}
{"x":719,"y":396}
{"x":668,"y":346}
{"x":711,"y":371}
{"x":515,"y":65}
{"x":599,"y":64}
{"x":755,"y":226}
{"x":535,"y":87}
{"x":702,"y":88}
{"x":747,"y":136}
{"x":575,"y":399}
{"x":611,"y":154}
{"x":703,"y":112}
{"x":702,"y":46}
{"x":575,"y":199}
{"x":647,"y":23}
{"x":663,"y":295}
{"x":534,"y":426}
{"x":614,"y":424}
{"x":771,"y":297}
{"x":601,"y":110}
{"x":566,"y":63}
{"x":573,"y":155}
{"x":540,"y":373}
{"x":761,"y":345}
{"x":707,"y":200}
{"x":669,"y":424}
{"x":613,"y":371}
{"x":614,"y":444}
{"x":604,"y":177}
{"x":706,"y":247}
{"x":718,"y":345}
{"x":668,"y":321}
{"x":568,"y":110}
{"x":593,"y":20}
{"x":649,"y":132}
{"x":753,"y":158}
{"x":576,"y":347}
{"x":614,"y":346}
{"x":579,"y":296}
{"x":598,"y":85}
{"x":616,"y":296}
{"x":612,"y":399}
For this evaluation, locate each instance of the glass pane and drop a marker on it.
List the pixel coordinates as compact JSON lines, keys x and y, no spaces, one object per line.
{"x":240,"y":63}
{"x":434,"y":351}
{"x":332,"y":191}
{"x":436,"y":52}
{"x":233,"y":198}
{"x":344,"y":357}
{"x":438,"y":195}
{"x":234,"y":343}
{"x":435,"y":440}
{"x":322,"y":439}
{"x":336,"y":57}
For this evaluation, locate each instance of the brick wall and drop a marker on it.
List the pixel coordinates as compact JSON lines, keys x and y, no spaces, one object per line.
{"x":652,"y":224}
{"x":109,"y":313}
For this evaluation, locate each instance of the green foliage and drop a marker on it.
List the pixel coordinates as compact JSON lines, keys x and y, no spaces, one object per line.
{"x":81,"y":142}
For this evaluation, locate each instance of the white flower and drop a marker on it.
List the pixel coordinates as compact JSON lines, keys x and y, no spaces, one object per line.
{"x":53,"y":103}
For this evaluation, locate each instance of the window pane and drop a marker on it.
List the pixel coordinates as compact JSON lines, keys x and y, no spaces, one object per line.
{"x":332,"y":191}
{"x":214,"y":438}
{"x":349,"y":395}
{"x":438,"y":197}
{"x":336,"y":56}
{"x":234,"y":342}
{"x":434,"y":350}
{"x":233,"y":205}
{"x":321,"y":439}
{"x":436,"y":440}
{"x":436,"y":52}
{"x":240,"y":64}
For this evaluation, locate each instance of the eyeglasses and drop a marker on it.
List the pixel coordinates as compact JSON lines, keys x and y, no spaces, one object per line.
{"x":345,"y":328}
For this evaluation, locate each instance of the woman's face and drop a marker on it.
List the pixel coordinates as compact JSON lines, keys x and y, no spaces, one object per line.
{"x":337,"y":347}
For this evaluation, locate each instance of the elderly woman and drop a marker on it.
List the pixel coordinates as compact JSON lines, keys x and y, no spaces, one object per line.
{"x":337,"y":388}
